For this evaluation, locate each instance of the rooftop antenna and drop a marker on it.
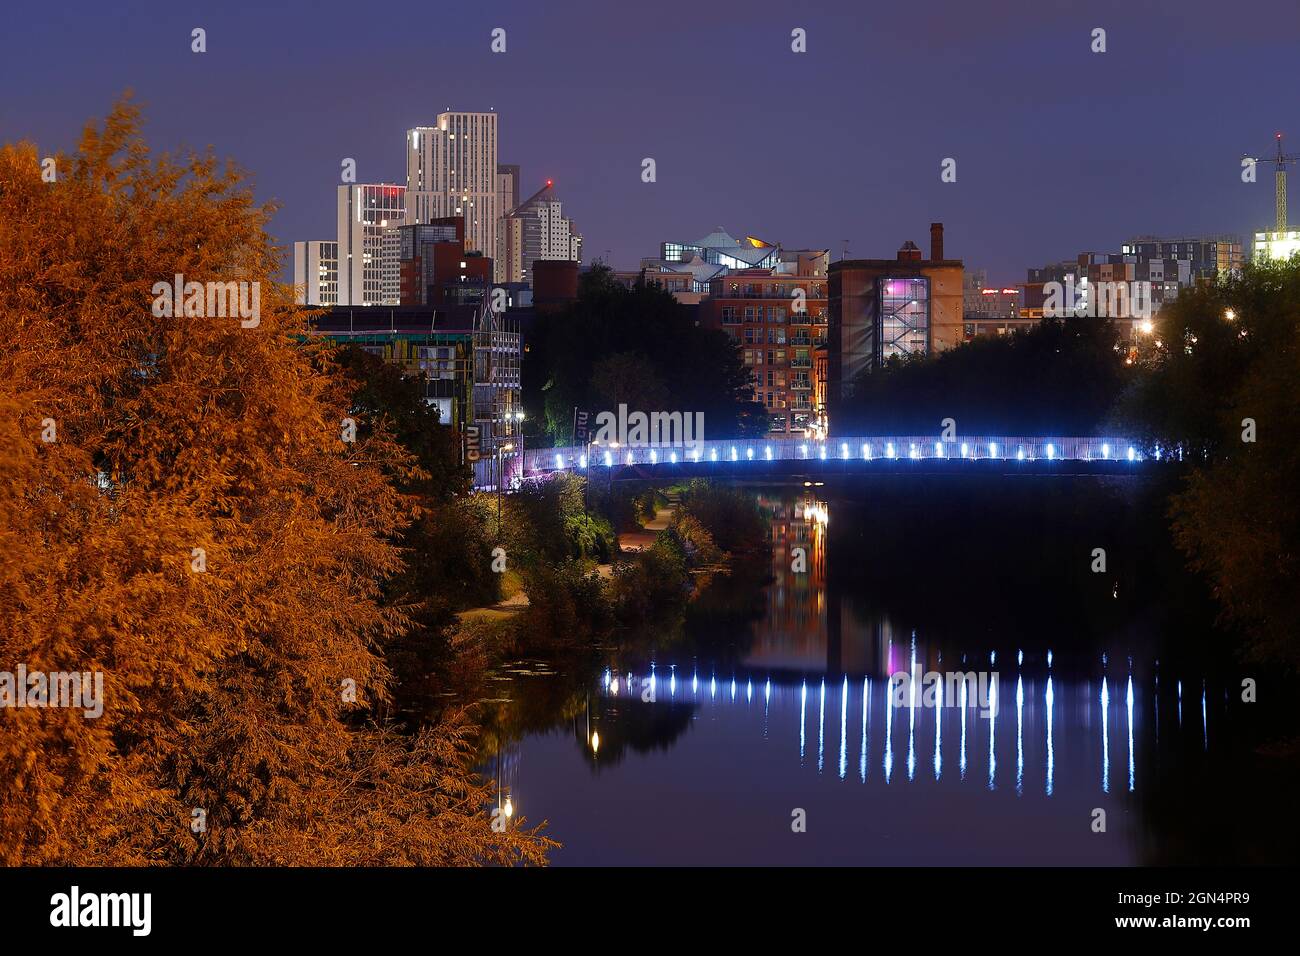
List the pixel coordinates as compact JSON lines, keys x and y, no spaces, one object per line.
{"x":845,"y":253}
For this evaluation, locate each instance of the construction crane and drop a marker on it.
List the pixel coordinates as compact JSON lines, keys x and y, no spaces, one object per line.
{"x":1280,"y":161}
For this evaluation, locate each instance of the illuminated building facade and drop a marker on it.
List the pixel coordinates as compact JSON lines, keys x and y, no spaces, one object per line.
{"x":880,"y":309}
{"x":452,"y":170}
{"x":1276,"y":246}
{"x":779,"y":321}
{"x":367,"y":245}
{"x":316,"y":272}
{"x":536,"y":230}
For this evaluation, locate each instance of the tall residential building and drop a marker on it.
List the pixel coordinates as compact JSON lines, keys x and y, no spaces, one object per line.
{"x":451,"y":170}
{"x":316,"y":272}
{"x":368,"y":216}
{"x":507,"y":200}
{"x":536,"y":229}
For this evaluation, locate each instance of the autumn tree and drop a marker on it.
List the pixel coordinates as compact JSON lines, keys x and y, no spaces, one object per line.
{"x":181,"y":510}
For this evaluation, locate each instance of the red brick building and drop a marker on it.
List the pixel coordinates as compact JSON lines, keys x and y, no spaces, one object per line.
{"x":779,"y":321}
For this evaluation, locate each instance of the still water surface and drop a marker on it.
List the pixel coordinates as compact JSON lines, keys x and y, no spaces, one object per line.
{"x":705,"y":750}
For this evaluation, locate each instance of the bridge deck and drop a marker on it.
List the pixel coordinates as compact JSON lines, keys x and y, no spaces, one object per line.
{"x":887,"y":454}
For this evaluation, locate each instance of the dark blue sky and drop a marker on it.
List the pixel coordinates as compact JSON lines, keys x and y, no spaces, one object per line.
{"x":1058,"y":149}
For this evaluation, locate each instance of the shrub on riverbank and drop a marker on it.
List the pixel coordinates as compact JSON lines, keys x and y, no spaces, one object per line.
{"x":730,"y":515}
{"x":695,"y":540}
{"x":567,"y":605}
{"x":653,"y":585}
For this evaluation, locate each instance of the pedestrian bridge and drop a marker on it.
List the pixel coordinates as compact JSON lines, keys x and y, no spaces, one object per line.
{"x":763,"y":458}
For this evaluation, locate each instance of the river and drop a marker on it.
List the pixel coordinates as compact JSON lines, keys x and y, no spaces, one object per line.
{"x":765,"y":728}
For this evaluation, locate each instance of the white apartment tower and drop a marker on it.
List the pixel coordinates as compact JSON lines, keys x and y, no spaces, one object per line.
{"x":316,"y":272}
{"x":451,"y":170}
{"x":367,"y":249}
{"x":536,"y":229}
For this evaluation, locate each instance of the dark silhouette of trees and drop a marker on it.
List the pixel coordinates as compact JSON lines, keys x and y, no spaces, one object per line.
{"x":638,"y":346}
{"x":1059,"y":378}
{"x":1221,"y":387}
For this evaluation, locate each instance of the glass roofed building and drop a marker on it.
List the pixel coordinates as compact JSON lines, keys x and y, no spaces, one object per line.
{"x":719,"y":248}
{"x":686,"y":268}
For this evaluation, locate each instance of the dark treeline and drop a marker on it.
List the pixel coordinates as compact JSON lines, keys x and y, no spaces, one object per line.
{"x":637,"y":347}
{"x":1058,"y":378}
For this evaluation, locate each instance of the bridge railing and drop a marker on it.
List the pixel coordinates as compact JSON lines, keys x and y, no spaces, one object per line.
{"x":861,"y":449}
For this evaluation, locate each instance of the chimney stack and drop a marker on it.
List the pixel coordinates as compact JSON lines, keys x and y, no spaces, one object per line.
{"x":936,"y":240}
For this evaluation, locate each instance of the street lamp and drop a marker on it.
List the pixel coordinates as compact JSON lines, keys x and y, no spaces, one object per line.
{"x":500,"y":479}
{"x":519,"y":417}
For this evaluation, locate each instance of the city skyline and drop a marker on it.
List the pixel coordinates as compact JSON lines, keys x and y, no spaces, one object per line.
{"x":955,"y":76}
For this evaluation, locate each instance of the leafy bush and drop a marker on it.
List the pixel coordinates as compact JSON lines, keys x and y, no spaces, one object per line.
{"x":730,"y":515}
{"x":653,"y":586}
{"x":566,"y":604}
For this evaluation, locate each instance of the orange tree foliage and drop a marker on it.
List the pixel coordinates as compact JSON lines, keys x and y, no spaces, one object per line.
{"x":223,"y":687}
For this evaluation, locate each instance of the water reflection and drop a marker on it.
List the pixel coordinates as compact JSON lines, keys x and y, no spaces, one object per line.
{"x":646,"y":763}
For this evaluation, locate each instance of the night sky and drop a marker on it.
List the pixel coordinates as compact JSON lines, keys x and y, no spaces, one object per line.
{"x":1059,"y":150}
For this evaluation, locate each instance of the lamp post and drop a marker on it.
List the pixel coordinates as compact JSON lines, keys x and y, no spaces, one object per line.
{"x":519,"y":417}
{"x":500,"y":480}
